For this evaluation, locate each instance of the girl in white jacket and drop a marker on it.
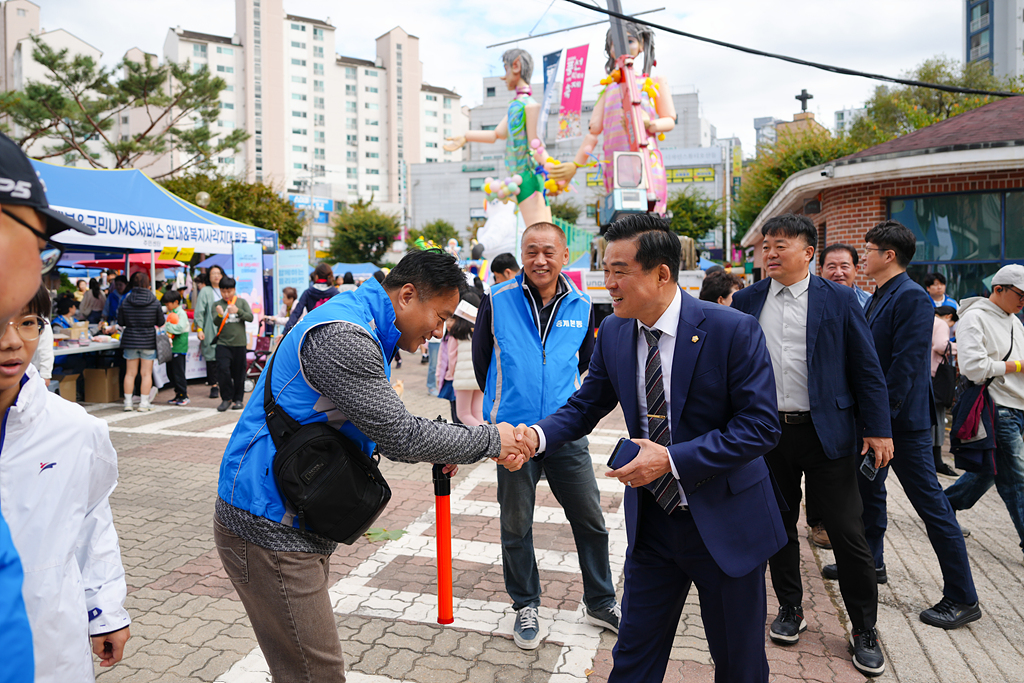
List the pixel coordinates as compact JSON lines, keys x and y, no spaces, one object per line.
{"x":54,"y":495}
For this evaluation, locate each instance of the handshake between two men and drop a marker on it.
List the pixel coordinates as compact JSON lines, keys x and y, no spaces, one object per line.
{"x":519,"y":444}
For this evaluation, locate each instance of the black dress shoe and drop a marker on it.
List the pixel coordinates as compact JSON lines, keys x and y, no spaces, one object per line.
{"x":831,"y":572}
{"x":788,"y":626}
{"x":237,"y":405}
{"x":867,"y":655}
{"x":945,"y":470}
{"x":214,"y":392}
{"x":224,"y":405}
{"x":949,"y":615}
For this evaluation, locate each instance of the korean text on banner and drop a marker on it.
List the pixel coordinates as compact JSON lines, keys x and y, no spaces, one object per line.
{"x":550,"y":73}
{"x":572,"y":93}
{"x":248,"y":264}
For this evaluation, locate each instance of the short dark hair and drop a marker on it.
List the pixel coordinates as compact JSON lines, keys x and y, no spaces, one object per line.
{"x":655,"y":242}
{"x":719,"y":284}
{"x":40,"y":303}
{"x":290,"y":292}
{"x":430,"y":271}
{"x":65,"y":304}
{"x":896,"y":236}
{"x":930,"y":278}
{"x":201,"y":279}
{"x":791,"y":225}
{"x":946,"y":310}
{"x":170,"y":297}
{"x":347,"y":279}
{"x":503,"y":262}
{"x":378,"y":275}
{"x":461,"y":328}
{"x":838,"y":246}
{"x":227,"y":282}
{"x":122,"y":278}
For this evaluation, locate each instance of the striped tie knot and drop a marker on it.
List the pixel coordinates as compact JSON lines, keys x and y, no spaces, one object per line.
{"x":652,"y":336}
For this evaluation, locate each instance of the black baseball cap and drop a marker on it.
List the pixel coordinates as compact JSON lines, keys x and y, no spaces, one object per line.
{"x":20,"y":184}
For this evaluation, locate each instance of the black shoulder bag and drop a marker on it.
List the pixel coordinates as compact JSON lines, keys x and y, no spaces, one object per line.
{"x":944,"y":381}
{"x":963,"y":384}
{"x":337,"y":490}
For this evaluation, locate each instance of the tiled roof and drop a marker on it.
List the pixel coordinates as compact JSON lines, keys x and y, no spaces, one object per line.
{"x":204,"y":37}
{"x":440,"y":91}
{"x":307,"y":20}
{"x":342,"y":59}
{"x":999,"y":124}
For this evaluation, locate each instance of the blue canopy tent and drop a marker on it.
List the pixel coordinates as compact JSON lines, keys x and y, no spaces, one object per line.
{"x":582,"y":263}
{"x":130,"y":212}
{"x":354,"y":268}
{"x":705,"y":263}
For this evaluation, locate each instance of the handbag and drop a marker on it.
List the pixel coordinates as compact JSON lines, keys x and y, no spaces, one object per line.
{"x":163,"y":348}
{"x":335,"y":488}
{"x":944,"y":381}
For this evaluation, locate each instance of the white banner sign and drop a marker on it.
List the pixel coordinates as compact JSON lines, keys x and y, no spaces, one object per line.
{"x":691,"y":156}
{"x":134,"y":232}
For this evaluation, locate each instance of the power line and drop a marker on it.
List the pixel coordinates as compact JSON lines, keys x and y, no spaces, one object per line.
{"x":571,"y":28}
{"x":793,"y":60}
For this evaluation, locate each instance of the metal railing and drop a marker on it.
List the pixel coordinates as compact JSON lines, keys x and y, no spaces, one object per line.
{"x":979,"y":23}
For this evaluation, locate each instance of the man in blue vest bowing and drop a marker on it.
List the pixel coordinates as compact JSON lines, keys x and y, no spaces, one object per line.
{"x":697,"y":390}
{"x":532,"y":341}
{"x":334,"y":367}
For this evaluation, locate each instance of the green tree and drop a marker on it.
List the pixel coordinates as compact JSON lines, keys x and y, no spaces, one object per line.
{"x":364,"y":233}
{"x":693,"y":214}
{"x":566,"y":210}
{"x":255,"y":204}
{"x":792,"y":153}
{"x":897,"y":110}
{"x":440,"y":231}
{"x":75,"y":112}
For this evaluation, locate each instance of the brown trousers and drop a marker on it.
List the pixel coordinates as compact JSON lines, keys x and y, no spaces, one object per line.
{"x":286,"y":598}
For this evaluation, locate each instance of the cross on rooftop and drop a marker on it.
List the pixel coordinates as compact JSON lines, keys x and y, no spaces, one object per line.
{"x":803,"y":97}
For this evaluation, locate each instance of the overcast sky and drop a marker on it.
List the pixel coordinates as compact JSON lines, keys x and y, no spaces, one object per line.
{"x":878,"y":36}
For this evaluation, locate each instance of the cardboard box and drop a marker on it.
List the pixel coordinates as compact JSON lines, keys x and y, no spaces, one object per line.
{"x":68,"y":386}
{"x":76,"y":330}
{"x":102,"y":385}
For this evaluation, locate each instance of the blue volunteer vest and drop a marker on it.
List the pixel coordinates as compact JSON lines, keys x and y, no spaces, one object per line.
{"x":528,"y":380}
{"x":246,"y":472}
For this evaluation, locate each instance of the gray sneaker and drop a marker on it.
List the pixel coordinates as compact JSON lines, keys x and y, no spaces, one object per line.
{"x":605,"y":618}
{"x":526,"y":631}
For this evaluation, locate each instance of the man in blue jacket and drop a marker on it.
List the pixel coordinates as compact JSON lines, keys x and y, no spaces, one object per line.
{"x":533,"y":339}
{"x":697,"y":390}
{"x":901,"y":316}
{"x":825,"y":369}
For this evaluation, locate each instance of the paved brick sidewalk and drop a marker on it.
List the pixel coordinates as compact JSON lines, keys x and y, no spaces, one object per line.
{"x":189,"y":625}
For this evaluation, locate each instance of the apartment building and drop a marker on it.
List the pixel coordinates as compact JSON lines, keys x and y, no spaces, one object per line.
{"x":993,"y":32}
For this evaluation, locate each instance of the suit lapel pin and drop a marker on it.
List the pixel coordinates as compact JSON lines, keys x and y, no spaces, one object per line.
{"x":695,"y":339}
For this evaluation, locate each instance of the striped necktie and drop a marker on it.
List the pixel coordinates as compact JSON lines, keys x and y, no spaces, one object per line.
{"x":665,"y":490}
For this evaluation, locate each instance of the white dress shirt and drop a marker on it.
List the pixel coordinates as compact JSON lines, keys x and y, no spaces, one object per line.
{"x":668,"y":324}
{"x":784,"y":323}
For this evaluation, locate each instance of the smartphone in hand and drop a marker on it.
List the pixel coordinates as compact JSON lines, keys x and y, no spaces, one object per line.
{"x":624,"y":452}
{"x":867,"y":468}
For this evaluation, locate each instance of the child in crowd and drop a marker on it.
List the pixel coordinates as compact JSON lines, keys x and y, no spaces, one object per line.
{"x":456,"y":367}
{"x":54,"y":495}
{"x":177,"y":328}
{"x":289,"y":295}
{"x":230,"y":315}
{"x":67,"y":307}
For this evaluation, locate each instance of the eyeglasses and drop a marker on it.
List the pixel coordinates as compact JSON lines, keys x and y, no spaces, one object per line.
{"x":878,"y":249}
{"x":1020,"y":294}
{"x":28,"y":326}
{"x":50,"y":254}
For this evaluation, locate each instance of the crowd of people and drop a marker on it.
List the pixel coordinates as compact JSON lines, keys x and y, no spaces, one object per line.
{"x":731,"y":401}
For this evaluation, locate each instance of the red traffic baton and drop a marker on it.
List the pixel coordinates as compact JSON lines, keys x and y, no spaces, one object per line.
{"x":443,"y":524}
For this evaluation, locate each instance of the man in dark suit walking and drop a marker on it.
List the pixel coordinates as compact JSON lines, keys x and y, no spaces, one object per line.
{"x":825,"y":368}
{"x":696,"y":387}
{"x":900,"y":316}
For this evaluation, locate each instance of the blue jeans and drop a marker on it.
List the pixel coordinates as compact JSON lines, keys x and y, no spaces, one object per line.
{"x":1009,"y":474}
{"x":912,"y":462}
{"x":432,"y":350}
{"x":570,"y":473}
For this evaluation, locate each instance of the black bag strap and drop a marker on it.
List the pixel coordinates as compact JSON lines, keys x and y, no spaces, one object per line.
{"x":281,"y":425}
{"x":1008,"y":352}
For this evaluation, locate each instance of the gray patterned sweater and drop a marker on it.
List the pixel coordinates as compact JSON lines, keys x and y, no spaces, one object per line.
{"x":343,"y":363}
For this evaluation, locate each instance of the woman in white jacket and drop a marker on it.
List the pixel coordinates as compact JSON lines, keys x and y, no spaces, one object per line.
{"x":54,"y":495}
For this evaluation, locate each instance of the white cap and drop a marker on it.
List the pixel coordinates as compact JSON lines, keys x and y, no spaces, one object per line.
{"x":1012,"y":275}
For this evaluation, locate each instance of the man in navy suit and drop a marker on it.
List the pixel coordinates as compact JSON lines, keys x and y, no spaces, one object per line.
{"x":900,"y":315}
{"x":825,"y":368}
{"x":696,"y":387}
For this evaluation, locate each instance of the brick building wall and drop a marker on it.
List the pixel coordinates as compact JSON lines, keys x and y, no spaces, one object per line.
{"x":849,"y":212}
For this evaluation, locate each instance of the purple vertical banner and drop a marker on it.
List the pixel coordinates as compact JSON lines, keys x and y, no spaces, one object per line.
{"x":572,"y":93}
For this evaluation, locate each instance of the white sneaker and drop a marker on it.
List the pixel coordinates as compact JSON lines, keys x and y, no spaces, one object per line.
{"x":128,"y":407}
{"x":152,"y":394}
{"x":144,"y":405}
